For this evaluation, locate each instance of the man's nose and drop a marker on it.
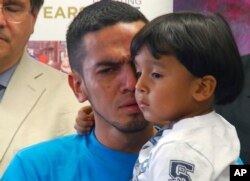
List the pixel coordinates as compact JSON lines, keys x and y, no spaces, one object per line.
{"x":128,"y":79}
{"x":2,"y":18}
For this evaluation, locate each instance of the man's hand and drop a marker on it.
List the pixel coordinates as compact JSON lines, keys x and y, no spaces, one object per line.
{"x":84,"y":120}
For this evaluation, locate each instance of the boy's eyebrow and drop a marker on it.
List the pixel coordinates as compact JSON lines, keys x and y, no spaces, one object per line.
{"x":158,"y":63}
{"x":155,"y":62}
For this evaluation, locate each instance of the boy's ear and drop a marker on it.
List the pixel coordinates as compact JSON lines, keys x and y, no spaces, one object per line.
{"x":77,"y":85}
{"x":205,"y":88}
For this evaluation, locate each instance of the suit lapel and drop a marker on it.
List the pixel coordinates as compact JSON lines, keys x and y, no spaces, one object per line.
{"x":21,"y":95}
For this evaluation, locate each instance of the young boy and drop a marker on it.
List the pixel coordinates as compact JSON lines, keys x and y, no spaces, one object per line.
{"x":187,"y":62}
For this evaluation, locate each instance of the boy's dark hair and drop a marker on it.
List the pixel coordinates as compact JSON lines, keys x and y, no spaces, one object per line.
{"x":93,"y":18}
{"x":36,"y":4}
{"x":204,"y":44}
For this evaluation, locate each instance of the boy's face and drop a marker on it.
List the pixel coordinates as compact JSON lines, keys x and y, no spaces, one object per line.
{"x":164,"y":88}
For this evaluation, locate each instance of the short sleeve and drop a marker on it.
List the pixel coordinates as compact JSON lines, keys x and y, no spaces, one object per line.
{"x":14,"y":171}
{"x":178,"y":161}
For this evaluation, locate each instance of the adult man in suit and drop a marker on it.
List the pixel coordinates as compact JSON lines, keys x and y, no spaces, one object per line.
{"x":36,"y":101}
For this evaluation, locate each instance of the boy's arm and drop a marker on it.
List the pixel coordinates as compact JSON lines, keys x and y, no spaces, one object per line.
{"x":84,"y":120}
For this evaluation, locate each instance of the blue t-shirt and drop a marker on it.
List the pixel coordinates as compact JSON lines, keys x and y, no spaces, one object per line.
{"x":70,"y":158}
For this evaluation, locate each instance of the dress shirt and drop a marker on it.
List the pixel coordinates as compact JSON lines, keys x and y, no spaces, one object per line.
{"x":4,"y":80}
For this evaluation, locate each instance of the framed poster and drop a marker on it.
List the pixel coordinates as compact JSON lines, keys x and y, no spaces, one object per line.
{"x":48,"y":45}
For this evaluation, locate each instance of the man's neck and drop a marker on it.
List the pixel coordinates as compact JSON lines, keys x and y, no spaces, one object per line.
{"x":6,"y":65}
{"x":125,"y":142}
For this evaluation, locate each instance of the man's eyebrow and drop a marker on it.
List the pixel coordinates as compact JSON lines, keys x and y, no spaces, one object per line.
{"x":108,"y":63}
{"x":13,"y":1}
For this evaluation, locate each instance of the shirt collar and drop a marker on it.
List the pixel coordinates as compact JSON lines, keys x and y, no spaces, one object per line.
{"x":6,"y":76}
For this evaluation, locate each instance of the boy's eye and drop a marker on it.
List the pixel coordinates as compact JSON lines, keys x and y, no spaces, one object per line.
{"x":156,"y":75}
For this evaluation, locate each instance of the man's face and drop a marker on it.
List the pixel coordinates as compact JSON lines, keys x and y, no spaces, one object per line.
{"x":14,"y":35}
{"x":109,"y":78}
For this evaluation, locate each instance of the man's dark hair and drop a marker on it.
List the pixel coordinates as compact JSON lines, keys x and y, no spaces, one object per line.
{"x":204,"y":44}
{"x":36,"y":4}
{"x":93,"y":18}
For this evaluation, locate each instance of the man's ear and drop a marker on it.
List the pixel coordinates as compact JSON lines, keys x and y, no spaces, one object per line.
{"x":77,"y":85}
{"x":35,"y":13}
{"x":205,"y":88}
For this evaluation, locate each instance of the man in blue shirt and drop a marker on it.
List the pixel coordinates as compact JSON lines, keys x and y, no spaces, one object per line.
{"x":98,"y":43}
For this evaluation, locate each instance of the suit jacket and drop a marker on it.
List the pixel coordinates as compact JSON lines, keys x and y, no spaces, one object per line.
{"x":38,"y":105}
{"x":238,"y":113}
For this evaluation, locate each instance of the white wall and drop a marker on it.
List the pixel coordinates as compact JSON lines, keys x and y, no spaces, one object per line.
{"x":55,"y":15}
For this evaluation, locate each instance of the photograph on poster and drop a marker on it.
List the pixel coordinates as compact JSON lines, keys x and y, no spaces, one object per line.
{"x":236,"y":12}
{"x":52,"y":53}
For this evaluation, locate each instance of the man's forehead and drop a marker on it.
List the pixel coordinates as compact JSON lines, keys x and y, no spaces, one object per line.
{"x":16,"y":1}
{"x":114,"y":37}
{"x":122,"y":28}
{"x":107,"y":60}
{"x":5,"y":1}
{"x":110,"y":45}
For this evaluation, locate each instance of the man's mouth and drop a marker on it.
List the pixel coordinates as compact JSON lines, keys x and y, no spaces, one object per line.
{"x":130,"y":106}
{"x":4,"y":38}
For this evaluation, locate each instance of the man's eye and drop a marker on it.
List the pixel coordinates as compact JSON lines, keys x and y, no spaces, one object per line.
{"x":138,"y":74}
{"x":107,"y":70}
{"x":13,"y":8}
{"x":156,"y":75}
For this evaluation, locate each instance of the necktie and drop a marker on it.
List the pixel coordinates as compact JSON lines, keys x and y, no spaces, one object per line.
{"x":1,"y":91}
